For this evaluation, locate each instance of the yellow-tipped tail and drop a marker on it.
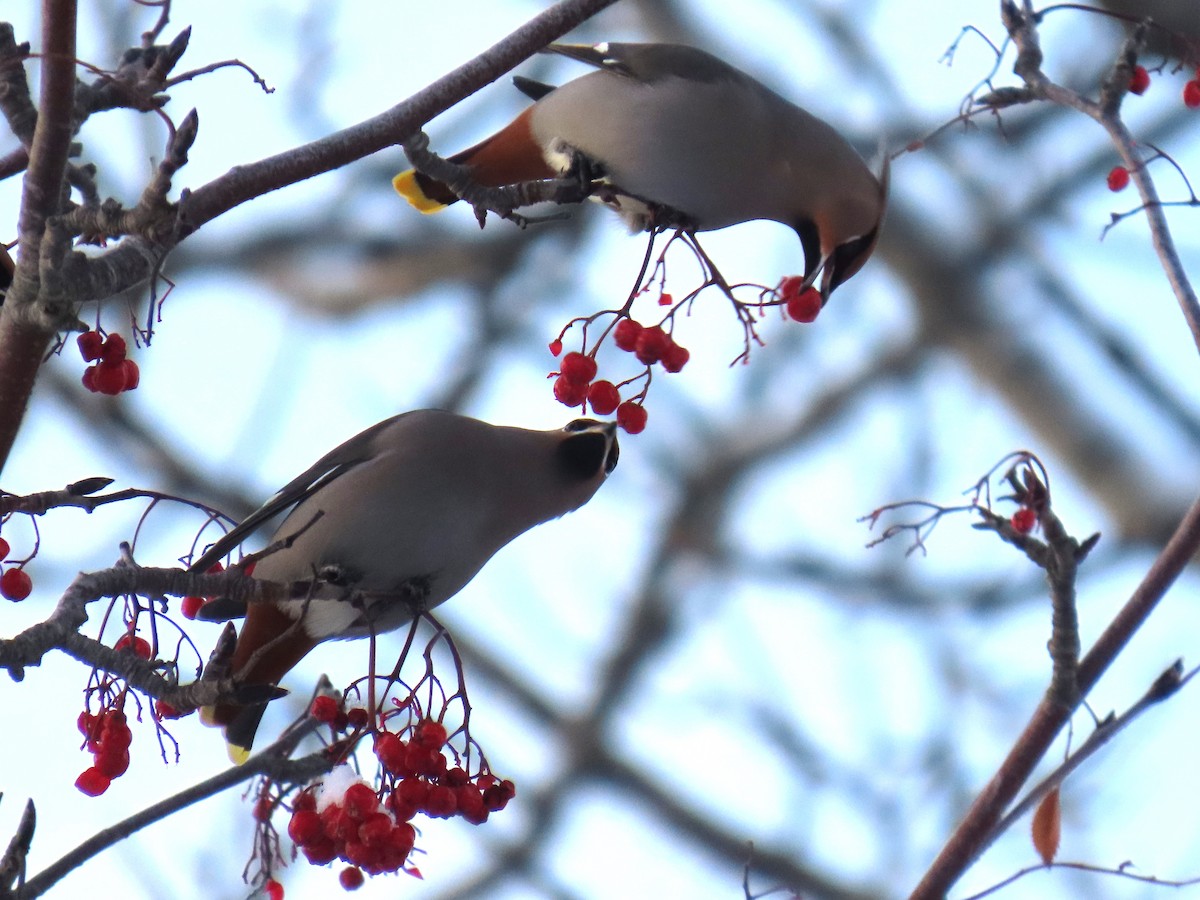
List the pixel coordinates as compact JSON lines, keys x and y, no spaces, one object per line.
{"x":407,"y":187}
{"x":237,"y":755}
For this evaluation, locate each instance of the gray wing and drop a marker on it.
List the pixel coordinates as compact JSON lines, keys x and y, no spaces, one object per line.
{"x":333,"y":464}
{"x":650,"y":62}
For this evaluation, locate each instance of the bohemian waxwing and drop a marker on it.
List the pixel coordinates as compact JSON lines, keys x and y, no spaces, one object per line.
{"x":665,"y":125}
{"x":397,"y":519}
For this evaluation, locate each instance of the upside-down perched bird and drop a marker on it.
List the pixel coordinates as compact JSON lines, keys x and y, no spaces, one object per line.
{"x":391,"y":523}
{"x":672,"y":135}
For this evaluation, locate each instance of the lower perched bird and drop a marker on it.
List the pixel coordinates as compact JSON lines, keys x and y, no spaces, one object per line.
{"x":671,"y":129}
{"x":395,"y":521}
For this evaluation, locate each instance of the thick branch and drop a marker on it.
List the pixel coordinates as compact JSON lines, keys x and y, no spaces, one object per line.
{"x":24,"y":336}
{"x":42,"y":193}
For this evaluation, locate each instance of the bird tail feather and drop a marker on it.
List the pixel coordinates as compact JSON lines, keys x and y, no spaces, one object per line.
{"x":414,"y":188}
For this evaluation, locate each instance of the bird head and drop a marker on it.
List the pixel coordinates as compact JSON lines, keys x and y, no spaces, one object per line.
{"x":842,"y":234}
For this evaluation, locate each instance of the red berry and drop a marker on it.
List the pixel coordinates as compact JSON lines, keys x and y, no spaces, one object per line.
{"x":15,"y":584}
{"x":401,"y":810}
{"x":112,"y":763}
{"x":400,"y":842}
{"x":631,"y":417}
{"x":4,"y":548}
{"x":357,"y":854}
{"x":375,"y":829}
{"x":430,"y":734}
{"x":190,"y":606}
{"x":336,"y":824}
{"x":579,"y":368}
{"x":90,"y":344}
{"x":665,"y":300}
{"x":1118,"y":178}
{"x":361,"y":800}
{"x":263,"y":808}
{"x":804,"y":307}
{"x":357,"y":717}
{"x":470,"y":804}
{"x":626,"y":334}
{"x":85,"y":723}
{"x":413,"y":791}
{"x":110,"y":377}
{"x":113,"y":350}
{"x":304,"y":827}
{"x":568,"y":392}
{"x":93,"y":782}
{"x":324,"y":709}
{"x":273,"y":889}
{"x":135,"y":645}
{"x":114,"y":732}
{"x":351,"y":878}
{"x":1023,"y":520}
{"x":604,"y":397}
{"x":652,"y":343}
{"x":320,"y":853}
{"x":89,"y":378}
{"x":1191,"y":93}
{"x":306,"y":799}
{"x":441,"y":802}
{"x":1139,"y":80}
{"x":555,"y":347}
{"x":166,"y":711}
{"x":133,"y":375}
{"x":675,"y":358}
{"x":388,"y":750}
{"x":789,"y":287}
{"x":497,"y":796}
{"x":421,"y":760}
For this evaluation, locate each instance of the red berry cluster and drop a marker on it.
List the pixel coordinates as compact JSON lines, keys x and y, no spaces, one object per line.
{"x":576,"y":386}
{"x":108,"y":739}
{"x":801,"y":306}
{"x":113,"y":372}
{"x":650,"y":344}
{"x":1191,"y":92}
{"x":15,"y":583}
{"x":326,"y":709}
{"x":1024,"y":520}
{"x":371,"y":830}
